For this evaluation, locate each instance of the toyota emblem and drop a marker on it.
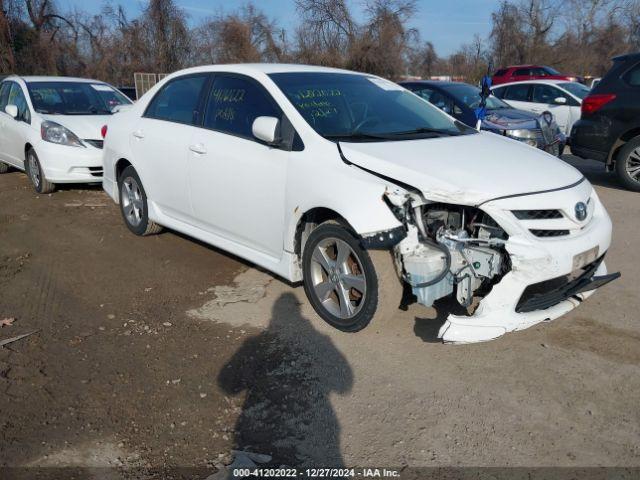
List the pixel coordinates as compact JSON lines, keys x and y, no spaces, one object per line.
{"x":581,"y":211}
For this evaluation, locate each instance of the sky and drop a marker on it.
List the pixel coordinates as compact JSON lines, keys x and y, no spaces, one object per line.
{"x":446,"y":23}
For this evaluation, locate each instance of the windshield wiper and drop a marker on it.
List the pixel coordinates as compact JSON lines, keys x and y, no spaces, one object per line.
{"x":355,"y":136}
{"x":424,"y":130}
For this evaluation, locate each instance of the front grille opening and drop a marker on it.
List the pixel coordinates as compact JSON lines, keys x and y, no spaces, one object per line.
{"x":542,"y":295}
{"x":537,"y":214}
{"x":549,"y":233}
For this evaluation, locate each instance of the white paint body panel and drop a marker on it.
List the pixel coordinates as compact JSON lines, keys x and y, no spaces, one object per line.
{"x":247,"y":198}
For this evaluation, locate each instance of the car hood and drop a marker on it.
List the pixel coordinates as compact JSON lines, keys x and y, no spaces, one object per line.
{"x":84,"y":126}
{"x":510,"y":118}
{"x":467,"y":170}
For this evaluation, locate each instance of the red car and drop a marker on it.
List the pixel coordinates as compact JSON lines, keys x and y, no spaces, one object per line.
{"x":519,"y":73}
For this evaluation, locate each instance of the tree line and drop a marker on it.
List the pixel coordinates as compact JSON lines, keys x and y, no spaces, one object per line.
{"x":574,"y":36}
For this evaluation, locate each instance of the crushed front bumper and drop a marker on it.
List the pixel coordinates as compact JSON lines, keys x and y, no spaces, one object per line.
{"x":514,"y":303}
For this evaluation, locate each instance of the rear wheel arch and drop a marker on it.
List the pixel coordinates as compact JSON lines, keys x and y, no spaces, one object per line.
{"x":621,"y":142}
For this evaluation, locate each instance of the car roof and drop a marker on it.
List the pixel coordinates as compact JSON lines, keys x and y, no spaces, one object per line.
{"x":433,"y":83}
{"x":522,"y":66}
{"x":627,"y":56}
{"x":547,"y":82}
{"x":265,"y":68}
{"x":38,"y":78}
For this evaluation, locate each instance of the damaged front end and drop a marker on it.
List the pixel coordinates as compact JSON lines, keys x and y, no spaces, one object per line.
{"x":447,"y":249}
{"x":501,"y":262}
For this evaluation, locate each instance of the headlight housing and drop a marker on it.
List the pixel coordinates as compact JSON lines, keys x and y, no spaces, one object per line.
{"x":527,"y":136}
{"x":55,"y":133}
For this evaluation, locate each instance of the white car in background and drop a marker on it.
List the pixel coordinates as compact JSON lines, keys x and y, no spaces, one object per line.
{"x":355,"y":186}
{"x":50,"y":127}
{"x":563,"y":99}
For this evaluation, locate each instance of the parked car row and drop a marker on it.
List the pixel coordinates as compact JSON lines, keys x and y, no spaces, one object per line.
{"x":344,"y":181}
{"x":461,"y":100}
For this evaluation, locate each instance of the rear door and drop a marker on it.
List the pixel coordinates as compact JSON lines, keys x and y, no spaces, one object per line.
{"x":160,"y":143}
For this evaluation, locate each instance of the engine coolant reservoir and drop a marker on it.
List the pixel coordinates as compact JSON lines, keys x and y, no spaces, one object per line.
{"x":424,"y":265}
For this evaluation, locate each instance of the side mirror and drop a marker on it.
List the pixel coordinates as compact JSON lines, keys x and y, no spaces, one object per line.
{"x":266,"y":129}
{"x":560,"y":101}
{"x":12,"y":110}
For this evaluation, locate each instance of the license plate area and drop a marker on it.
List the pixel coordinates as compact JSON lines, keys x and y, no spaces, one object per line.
{"x":585,"y":258}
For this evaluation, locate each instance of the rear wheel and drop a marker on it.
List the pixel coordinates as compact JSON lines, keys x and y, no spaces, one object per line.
{"x":133,"y":204}
{"x":34,"y":171}
{"x":628,"y":165}
{"x":347,"y":285}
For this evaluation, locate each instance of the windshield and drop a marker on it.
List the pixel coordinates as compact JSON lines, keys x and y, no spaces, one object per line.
{"x":577,"y":89}
{"x":470,"y":96}
{"x":360,"y":108}
{"x":74,"y":98}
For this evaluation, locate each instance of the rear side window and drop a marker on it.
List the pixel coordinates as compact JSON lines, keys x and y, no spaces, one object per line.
{"x":18,"y":98}
{"x":234,"y":103}
{"x":632,"y":77}
{"x":4,"y":94}
{"x":178,"y":100}
{"x":517,"y":92}
{"x":522,"y":71}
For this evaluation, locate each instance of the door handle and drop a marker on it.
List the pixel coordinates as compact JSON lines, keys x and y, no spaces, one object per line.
{"x":198,"y":148}
{"x":138,"y":134}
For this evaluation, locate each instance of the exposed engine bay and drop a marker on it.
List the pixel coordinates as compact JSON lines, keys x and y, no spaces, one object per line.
{"x":449,"y":249}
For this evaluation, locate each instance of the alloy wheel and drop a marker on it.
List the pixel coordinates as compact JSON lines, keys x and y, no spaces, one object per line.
{"x":633,"y":165}
{"x":34,"y":170}
{"x":132,"y":203}
{"x":338,"y":279}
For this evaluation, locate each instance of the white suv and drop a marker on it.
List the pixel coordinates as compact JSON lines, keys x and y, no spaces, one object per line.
{"x":50,"y":127}
{"x":357,"y":187}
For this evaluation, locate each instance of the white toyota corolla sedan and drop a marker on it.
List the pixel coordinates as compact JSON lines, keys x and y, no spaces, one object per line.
{"x":357,"y":187}
{"x":50,"y":128}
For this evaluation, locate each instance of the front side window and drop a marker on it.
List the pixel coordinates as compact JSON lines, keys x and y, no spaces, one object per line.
{"x":359,"y":107}
{"x":17,"y":98}
{"x":545,"y":94}
{"x":519,"y":93}
{"x":177,"y":101}
{"x":234,"y":103}
{"x":74,"y":98}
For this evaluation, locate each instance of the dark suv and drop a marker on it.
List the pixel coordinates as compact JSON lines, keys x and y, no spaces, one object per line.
{"x":609,"y":127}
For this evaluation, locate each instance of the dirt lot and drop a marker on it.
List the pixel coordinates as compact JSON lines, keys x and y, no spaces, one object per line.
{"x":159,"y":352}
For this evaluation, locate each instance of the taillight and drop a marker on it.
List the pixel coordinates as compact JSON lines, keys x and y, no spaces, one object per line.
{"x":595,"y":102}
{"x":103,"y":131}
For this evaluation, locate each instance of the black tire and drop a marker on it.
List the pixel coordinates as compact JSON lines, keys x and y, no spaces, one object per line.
{"x":4,"y":168}
{"x":135,"y":217}
{"x":629,"y":158}
{"x":33,"y":169}
{"x":383,"y":287}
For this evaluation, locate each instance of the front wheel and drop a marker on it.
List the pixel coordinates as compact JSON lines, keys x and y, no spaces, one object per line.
{"x":34,"y":171}
{"x":348,"y":286}
{"x":133,"y":204}
{"x":628,"y":165}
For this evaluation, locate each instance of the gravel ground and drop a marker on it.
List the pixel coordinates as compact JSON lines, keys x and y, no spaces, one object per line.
{"x":161,"y":352}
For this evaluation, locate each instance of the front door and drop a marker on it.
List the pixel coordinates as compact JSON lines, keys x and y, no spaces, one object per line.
{"x":237,"y":183}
